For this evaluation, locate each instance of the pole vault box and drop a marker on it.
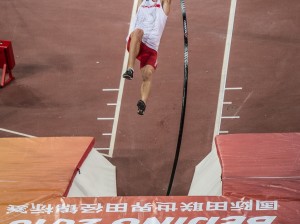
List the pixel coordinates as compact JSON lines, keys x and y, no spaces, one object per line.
{"x":6,"y":54}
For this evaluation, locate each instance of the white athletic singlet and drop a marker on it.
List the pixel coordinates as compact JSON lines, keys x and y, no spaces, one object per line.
{"x":151,"y":18}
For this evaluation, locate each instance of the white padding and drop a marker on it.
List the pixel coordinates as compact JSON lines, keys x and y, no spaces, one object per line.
{"x":97,"y":178}
{"x":207,"y":177}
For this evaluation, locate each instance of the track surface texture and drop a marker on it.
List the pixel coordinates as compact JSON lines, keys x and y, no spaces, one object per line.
{"x":67,"y":52}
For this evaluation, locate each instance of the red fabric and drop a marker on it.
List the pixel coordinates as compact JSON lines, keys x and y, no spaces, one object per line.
{"x":260,"y":164}
{"x":281,"y":188}
{"x":147,"y":56}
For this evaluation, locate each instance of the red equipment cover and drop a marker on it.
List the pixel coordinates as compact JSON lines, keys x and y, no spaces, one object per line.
{"x":260,"y":164}
{"x":37,"y":169}
{"x":2,"y":57}
{"x":9,"y":58}
{"x":152,"y":210}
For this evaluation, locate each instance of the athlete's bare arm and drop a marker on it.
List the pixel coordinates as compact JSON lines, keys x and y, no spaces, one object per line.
{"x":166,"y":4}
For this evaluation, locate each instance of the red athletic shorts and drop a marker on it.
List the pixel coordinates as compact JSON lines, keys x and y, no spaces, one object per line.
{"x":147,"y":56}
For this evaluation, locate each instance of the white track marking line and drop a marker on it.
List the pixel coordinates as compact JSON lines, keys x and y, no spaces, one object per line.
{"x":227,"y":103}
{"x":224,"y":71}
{"x":105,"y":118}
{"x":110,"y":90}
{"x":121,"y":88}
{"x":230,"y":117}
{"x":223,"y":132}
{"x":106,"y":134}
{"x":17,"y":133}
{"x":233,"y":88}
{"x":101,"y":148}
{"x":111,"y":104}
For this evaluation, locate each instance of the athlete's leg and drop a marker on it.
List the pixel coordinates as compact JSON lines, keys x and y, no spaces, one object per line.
{"x":147,"y":72}
{"x":134,"y":49}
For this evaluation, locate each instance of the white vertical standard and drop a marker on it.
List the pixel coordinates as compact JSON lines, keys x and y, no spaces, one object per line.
{"x":224,"y":71}
{"x":120,"y":93}
{"x":207,"y":176}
